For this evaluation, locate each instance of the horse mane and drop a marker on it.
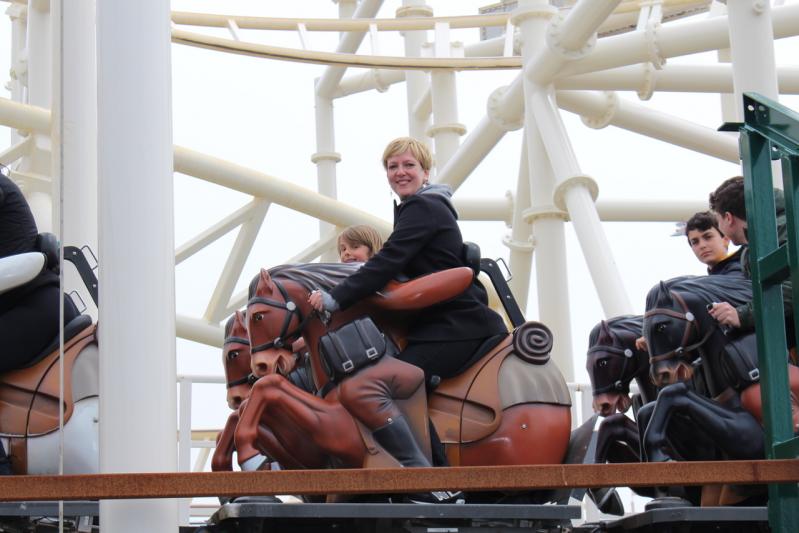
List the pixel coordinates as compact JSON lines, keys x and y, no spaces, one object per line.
{"x":624,"y":326}
{"x":736,"y":290}
{"x":310,"y":276}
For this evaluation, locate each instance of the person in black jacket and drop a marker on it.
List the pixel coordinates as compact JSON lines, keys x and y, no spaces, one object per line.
{"x":710,"y":245}
{"x":426,"y":239}
{"x":28,"y":314}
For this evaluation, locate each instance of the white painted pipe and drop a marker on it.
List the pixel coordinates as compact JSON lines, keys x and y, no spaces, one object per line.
{"x":485,"y":209}
{"x":752,"y":49}
{"x":234,"y":265}
{"x":672,"y":78}
{"x":325,"y":157}
{"x":541,"y":173}
{"x":78,"y":133}
{"x":327,"y":84}
{"x":520,"y":240}
{"x":473,"y":150}
{"x":137,"y":300}
{"x":446,"y":130}
{"x":24,"y":117}
{"x":673,"y":40}
{"x":278,"y":191}
{"x":596,"y":250}
{"x":418,"y":82}
{"x":200,"y":331}
{"x":603,"y":109}
{"x":19,"y":69}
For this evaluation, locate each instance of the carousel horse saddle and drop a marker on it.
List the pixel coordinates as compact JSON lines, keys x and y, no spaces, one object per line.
{"x":423,"y":291}
{"x":29,"y":397}
{"x":468,"y":407}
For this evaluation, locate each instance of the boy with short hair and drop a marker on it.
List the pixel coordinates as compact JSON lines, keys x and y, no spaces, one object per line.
{"x":710,"y":245}
{"x":358,"y":243}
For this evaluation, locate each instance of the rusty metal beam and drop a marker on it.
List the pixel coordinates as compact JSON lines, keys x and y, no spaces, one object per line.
{"x":181,"y":485}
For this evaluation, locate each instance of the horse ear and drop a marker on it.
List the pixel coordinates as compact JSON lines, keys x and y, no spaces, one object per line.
{"x":239,"y":325}
{"x":605,"y":336}
{"x":266,"y":281}
{"x":664,"y":295}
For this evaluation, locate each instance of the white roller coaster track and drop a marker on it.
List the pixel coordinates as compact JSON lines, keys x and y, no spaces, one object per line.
{"x":73,"y":118}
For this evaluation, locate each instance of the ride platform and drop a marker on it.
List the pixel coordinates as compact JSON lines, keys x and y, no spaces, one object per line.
{"x":685,"y":520}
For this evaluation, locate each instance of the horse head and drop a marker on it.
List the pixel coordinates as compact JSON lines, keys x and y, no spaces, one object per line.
{"x":613,"y":361}
{"x":274,"y":322}
{"x":672,"y":334}
{"x":236,"y":360}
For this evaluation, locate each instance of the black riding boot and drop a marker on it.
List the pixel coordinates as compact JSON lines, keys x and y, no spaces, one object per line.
{"x":398,"y":440}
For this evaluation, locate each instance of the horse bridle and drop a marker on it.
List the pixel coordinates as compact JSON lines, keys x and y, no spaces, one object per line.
{"x":291,"y":308}
{"x":250,"y":378}
{"x":690,"y":320}
{"x":618,"y":385}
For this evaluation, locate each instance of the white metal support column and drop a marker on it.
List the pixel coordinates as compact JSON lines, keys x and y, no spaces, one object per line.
{"x":77,"y":160}
{"x":416,"y":81}
{"x":325,"y":160}
{"x":520,"y":240}
{"x":575,"y":192}
{"x":752,"y":46}
{"x":547,"y":221}
{"x":19,"y":68}
{"x":38,"y":52}
{"x":446,"y":130}
{"x":137,"y":300}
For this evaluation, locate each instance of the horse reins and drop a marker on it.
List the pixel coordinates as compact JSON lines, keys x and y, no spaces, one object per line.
{"x":291,"y":309}
{"x":618,"y":385}
{"x":250,"y":378}
{"x":690,"y":320}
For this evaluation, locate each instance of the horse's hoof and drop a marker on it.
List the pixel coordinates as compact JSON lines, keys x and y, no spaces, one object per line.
{"x":667,"y":502}
{"x":253,"y":463}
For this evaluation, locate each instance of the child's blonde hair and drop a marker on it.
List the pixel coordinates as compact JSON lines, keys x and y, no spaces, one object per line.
{"x":362,"y":234}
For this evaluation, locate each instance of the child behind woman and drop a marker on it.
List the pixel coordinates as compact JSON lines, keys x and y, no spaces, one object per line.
{"x":358,"y":243}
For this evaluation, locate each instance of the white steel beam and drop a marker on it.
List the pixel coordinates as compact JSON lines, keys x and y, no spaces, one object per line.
{"x":603,"y":109}
{"x":211,"y":234}
{"x":418,"y":82}
{"x":137,"y":300}
{"x":234,"y":265}
{"x":275,"y":190}
{"x":752,"y":48}
{"x":327,"y":84}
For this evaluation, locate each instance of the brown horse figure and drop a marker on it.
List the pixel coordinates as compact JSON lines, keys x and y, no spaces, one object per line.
{"x":239,"y":379}
{"x":511,"y":406}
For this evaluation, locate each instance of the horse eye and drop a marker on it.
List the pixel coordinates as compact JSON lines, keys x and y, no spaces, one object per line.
{"x":258,"y":316}
{"x":232,"y":354}
{"x":602,"y":363}
{"x":660,"y":328}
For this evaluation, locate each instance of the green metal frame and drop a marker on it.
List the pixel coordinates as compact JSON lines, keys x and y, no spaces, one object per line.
{"x":771,"y":132}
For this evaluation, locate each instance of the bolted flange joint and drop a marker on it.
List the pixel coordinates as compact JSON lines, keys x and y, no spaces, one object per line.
{"x":414,"y":11}
{"x":455,"y":127}
{"x":540,"y":212}
{"x":653,"y":45}
{"x":519,"y":246}
{"x":554,"y":38}
{"x":493,"y":111}
{"x":521,"y":14}
{"x":380,"y":84}
{"x":585,"y":181}
{"x":600,"y":121}
{"x":318,"y":157}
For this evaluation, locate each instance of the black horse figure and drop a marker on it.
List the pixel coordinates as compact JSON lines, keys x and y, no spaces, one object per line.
{"x":613,"y":362}
{"x":692,"y":363}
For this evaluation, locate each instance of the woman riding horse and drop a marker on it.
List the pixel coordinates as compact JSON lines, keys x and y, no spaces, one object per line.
{"x":441,"y":339}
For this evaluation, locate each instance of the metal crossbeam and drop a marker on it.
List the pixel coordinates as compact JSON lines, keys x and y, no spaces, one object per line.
{"x":394,"y":480}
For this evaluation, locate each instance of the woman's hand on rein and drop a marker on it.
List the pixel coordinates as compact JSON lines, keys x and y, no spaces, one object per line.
{"x":316,"y":300}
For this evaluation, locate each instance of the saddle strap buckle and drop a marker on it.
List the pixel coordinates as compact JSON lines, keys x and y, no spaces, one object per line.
{"x":348,"y":365}
{"x":754,"y":374}
{"x":371,"y":352}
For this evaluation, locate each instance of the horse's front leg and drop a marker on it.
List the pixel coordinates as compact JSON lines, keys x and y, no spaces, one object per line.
{"x":617,"y":440}
{"x":733,"y":430}
{"x":222,"y":461}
